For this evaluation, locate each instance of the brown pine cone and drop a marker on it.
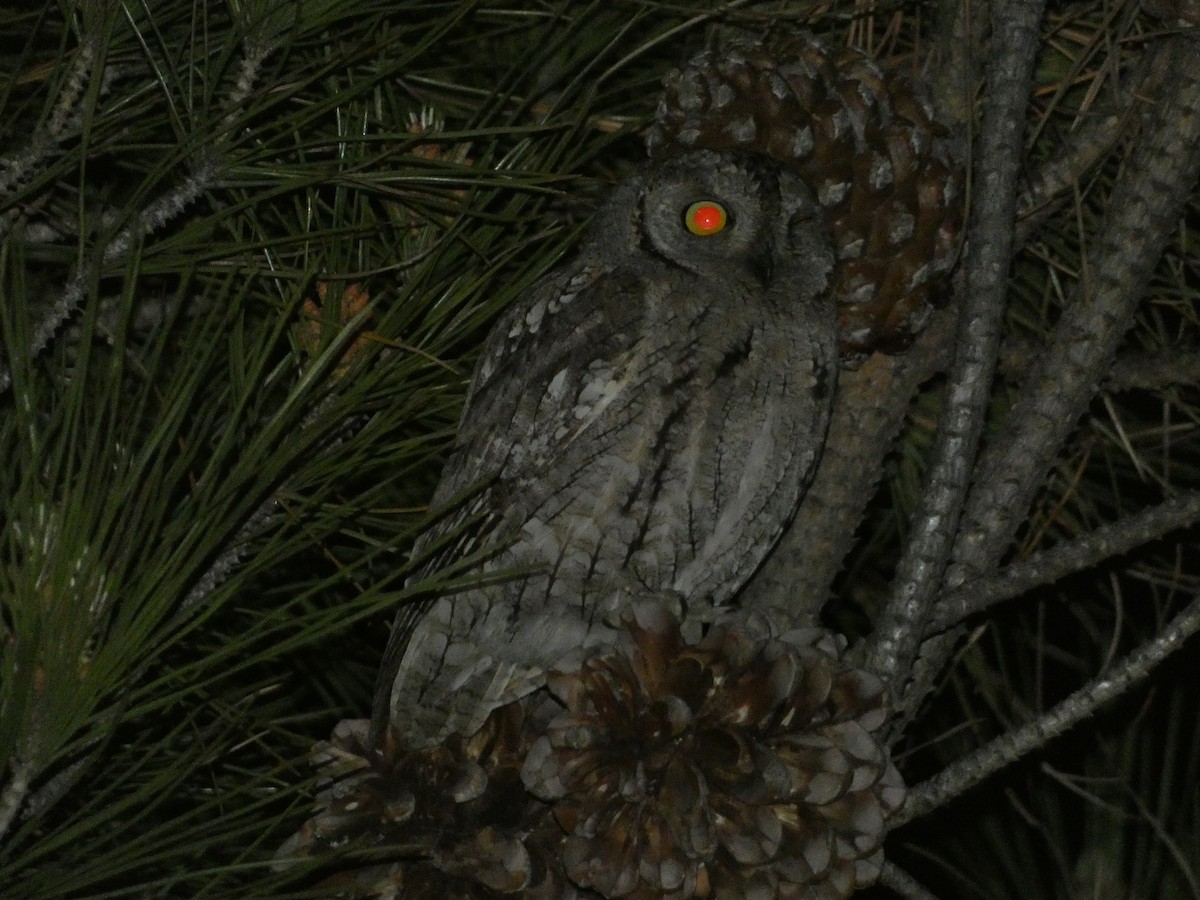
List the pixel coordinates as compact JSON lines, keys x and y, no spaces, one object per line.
{"x":455,"y":818}
{"x":865,"y":139}
{"x":740,"y":765}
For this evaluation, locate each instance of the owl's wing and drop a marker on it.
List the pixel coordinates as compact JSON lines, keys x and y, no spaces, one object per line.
{"x":539,"y":384}
{"x":530,"y":392}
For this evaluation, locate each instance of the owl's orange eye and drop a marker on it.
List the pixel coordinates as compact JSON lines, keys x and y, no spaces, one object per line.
{"x":704,"y":217}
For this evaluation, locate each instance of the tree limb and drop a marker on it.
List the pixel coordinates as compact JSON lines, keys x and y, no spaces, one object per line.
{"x":1143,"y":210}
{"x":892,"y":876}
{"x":975,"y":767}
{"x":1065,"y":559}
{"x":1145,"y":206}
{"x":919,"y":575}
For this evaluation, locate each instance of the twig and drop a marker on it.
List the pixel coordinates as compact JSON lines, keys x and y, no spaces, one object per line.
{"x":14,"y":792}
{"x":918,"y":577}
{"x":892,"y":876}
{"x":20,"y":167}
{"x":1072,"y":556}
{"x":975,"y":767}
{"x":1150,"y":370}
{"x":1093,"y":140}
{"x":163,"y":210}
{"x":227,"y":560}
{"x":57,"y":787}
{"x":266,"y":513}
{"x":153,"y":217}
{"x":1153,"y":371}
{"x":955,"y":70}
{"x":1143,"y":210}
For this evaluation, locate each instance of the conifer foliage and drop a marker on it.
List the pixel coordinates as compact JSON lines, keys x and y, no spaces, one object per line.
{"x":248,"y":253}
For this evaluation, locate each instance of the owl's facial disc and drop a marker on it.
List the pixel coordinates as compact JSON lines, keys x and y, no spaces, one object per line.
{"x":711,"y":214}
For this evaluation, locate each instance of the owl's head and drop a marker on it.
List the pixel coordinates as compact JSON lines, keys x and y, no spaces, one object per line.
{"x":722,"y":215}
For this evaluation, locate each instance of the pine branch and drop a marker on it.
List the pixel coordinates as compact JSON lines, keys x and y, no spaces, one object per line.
{"x":20,"y":167}
{"x":972,"y":769}
{"x":1072,"y":556}
{"x":13,"y":794}
{"x":153,"y":217}
{"x":228,"y":559}
{"x":56,"y":787}
{"x":205,"y":176}
{"x":1142,"y":212}
{"x":956,"y":69}
{"x":1132,"y":369}
{"x":1090,"y":143}
{"x":918,"y":577}
{"x":1152,"y":371}
{"x":267,"y":513}
{"x":892,"y":876}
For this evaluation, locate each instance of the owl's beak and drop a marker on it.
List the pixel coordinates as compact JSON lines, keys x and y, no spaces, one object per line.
{"x":762,"y":266}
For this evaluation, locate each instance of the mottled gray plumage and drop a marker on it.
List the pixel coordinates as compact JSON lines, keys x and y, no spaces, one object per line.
{"x":645,"y":420}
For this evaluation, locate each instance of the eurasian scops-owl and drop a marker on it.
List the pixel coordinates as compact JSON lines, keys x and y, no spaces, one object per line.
{"x":644,"y":421}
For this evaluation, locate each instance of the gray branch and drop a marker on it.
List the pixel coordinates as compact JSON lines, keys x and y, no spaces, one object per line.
{"x":1143,"y":209}
{"x":919,"y":575}
{"x":21,"y":166}
{"x":955,"y":69}
{"x":1150,"y":370}
{"x":153,"y":217}
{"x":13,"y":794}
{"x":892,"y":876}
{"x":1145,"y":206}
{"x":162,"y":211}
{"x":1153,"y":371}
{"x":227,"y":560}
{"x":975,"y":767}
{"x":1090,"y":143}
{"x":1072,"y":556}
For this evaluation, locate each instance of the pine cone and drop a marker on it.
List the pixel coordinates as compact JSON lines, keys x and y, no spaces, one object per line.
{"x":455,"y":817}
{"x":741,"y":765}
{"x":865,"y":139}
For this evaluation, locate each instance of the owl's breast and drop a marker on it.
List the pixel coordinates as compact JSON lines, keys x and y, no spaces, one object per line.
{"x":677,"y":460}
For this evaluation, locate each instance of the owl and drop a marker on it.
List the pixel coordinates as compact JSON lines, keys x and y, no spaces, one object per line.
{"x":643,"y":422}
